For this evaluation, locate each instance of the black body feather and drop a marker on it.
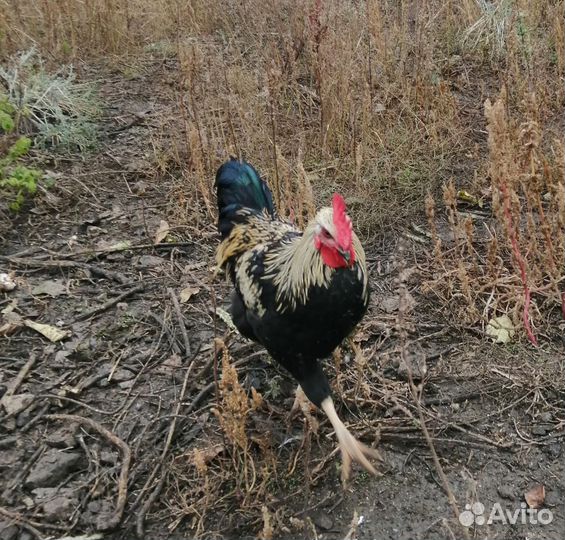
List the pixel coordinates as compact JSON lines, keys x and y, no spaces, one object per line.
{"x":297,"y":336}
{"x":239,"y":186}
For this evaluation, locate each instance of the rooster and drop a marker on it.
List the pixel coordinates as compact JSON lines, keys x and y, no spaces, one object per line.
{"x":299,"y":294}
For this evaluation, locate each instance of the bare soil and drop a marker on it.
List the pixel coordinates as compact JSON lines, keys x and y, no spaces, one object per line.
{"x":495,"y":414}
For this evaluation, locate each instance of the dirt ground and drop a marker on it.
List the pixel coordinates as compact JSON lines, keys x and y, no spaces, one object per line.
{"x":145,"y":377}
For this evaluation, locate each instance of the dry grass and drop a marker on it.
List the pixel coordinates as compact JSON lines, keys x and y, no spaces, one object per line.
{"x":515,"y":267}
{"x":237,"y":464}
{"x":380,"y":100}
{"x":396,"y":104}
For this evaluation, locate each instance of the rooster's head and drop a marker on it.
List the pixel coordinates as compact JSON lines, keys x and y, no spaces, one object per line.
{"x":333,"y":235}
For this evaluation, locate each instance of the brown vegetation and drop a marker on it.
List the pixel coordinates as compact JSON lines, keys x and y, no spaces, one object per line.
{"x":450,"y":110}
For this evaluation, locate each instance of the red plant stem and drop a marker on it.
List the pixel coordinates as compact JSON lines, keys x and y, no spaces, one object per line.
{"x":521,"y":263}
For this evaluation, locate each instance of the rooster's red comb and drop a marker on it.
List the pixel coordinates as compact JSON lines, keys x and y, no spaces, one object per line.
{"x":342,"y":223}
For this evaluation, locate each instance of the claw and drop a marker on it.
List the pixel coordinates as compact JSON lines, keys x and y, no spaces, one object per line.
{"x":351,"y":449}
{"x":302,"y":403}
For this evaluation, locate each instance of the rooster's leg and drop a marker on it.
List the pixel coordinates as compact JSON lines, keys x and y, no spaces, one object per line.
{"x":302,"y":403}
{"x":299,"y":397}
{"x":351,"y":448}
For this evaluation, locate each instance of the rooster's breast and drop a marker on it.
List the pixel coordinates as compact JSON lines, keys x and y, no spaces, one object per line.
{"x":313,"y":329}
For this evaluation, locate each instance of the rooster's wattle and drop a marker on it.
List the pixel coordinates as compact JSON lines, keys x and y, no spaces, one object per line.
{"x":299,"y":294}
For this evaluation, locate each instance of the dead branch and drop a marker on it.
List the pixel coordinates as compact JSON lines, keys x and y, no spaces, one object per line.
{"x":96,"y":270}
{"x":107,"y":305}
{"x":404,"y":307}
{"x":115,"y":519}
{"x":19,"y":519}
{"x":156,"y":492}
{"x":15,"y":384}
{"x":178,"y":312}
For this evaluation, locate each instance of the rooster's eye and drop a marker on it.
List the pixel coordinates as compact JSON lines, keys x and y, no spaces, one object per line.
{"x":326,"y":233}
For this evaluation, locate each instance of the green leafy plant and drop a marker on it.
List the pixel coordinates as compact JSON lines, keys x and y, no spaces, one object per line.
{"x":17,"y":181}
{"x":7,"y":111}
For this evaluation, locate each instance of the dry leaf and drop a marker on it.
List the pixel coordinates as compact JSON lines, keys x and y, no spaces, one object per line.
{"x":535,"y":496}
{"x":50,"y":332}
{"x":211,"y":452}
{"x":10,"y":307}
{"x":162,"y":232}
{"x":187,"y":293}
{"x":500,"y":329}
{"x":11,"y":322}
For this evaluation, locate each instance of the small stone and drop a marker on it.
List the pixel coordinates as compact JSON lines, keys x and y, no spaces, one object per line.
{"x":7,"y":282}
{"x":506,"y":492}
{"x":150,"y":261}
{"x":93,"y":231}
{"x":94,"y":507}
{"x":390,"y":304}
{"x":56,"y":503}
{"x":322,"y":520}
{"x":23,"y":418}
{"x":121,"y":375}
{"x":58,"y":507}
{"x":63,"y":437}
{"x":118,"y":256}
{"x":16,"y":403}
{"x":51,"y":468}
{"x":8,"y":531}
{"x":108,"y":458}
{"x":413,"y":361}
{"x":88,"y":519}
{"x":541,"y":429}
{"x":61,"y":357}
{"x":546,"y":417}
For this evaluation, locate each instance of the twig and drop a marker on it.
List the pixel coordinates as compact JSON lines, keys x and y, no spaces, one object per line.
{"x":125,"y":247}
{"x":15,"y":384}
{"x":107,"y":305}
{"x":520,"y":262}
{"x":465,"y":396}
{"x":115,"y":519}
{"x":23,"y":472}
{"x":402,"y":311}
{"x":18,"y":518}
{"x":96,"y":270}
{"x":435,"y":458}
{"x":156,"y":492}
{"x":176,"y":306}
{"x":139,"y":119}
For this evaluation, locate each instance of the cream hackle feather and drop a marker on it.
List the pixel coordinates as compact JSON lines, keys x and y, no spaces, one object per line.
{"x":292,"y":263}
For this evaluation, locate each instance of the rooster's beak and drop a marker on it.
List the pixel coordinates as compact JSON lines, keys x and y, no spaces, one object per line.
{"x":345,"y":254}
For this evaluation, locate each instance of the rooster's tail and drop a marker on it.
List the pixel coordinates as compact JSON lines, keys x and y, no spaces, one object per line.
{"x":239,"y":186}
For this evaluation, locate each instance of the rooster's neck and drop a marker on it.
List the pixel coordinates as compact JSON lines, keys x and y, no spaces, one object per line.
{"x":295,"y":268}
